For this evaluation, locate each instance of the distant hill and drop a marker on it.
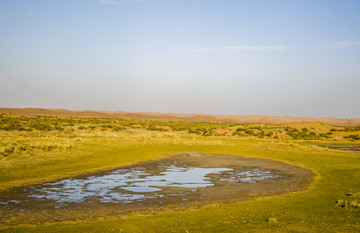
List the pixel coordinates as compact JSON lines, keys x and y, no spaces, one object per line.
{"x":187,"y":117}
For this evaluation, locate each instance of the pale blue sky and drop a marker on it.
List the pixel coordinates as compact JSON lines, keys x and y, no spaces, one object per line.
{"x":279,"y":57}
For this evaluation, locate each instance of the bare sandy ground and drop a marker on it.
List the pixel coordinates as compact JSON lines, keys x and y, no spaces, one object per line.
{"x":188,"y":117}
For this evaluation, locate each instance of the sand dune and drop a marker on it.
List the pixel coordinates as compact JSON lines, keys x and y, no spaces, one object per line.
{"x":187,"y":117}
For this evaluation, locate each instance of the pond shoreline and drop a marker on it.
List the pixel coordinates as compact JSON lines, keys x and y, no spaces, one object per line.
{"x":290,"y":178}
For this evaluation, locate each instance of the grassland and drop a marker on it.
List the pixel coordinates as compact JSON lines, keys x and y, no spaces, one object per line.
{"x":36,"y":149}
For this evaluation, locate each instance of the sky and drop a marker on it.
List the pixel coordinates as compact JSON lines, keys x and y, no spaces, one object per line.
{"x":231,"y":57}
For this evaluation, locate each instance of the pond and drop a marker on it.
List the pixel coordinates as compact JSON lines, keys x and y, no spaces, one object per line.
{"x":178,"y":181}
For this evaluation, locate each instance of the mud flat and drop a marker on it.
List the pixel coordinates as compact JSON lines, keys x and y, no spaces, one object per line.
{"x":175,"y":183}
{"x":340,"y":147}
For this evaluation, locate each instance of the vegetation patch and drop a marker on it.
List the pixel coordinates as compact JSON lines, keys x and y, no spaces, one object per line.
{"x":350,"y":201}
{"x":39,"y":149}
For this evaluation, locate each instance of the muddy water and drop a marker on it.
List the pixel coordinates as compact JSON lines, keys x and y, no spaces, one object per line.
{"x":177,"y":182}
{"x":340,"y":147}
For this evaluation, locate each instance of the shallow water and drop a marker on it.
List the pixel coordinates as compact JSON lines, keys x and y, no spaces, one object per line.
{"x":175,"y":182}
{"x":126,"y":185}
{"x":140,"y":183}
{"x":340,"y":147}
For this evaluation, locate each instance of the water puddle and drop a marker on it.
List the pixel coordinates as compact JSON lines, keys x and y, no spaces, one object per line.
{"x":340,"y":147}
{"x":189,"y":179}
{"x":132,"y":184}
{"x":126,"y":185}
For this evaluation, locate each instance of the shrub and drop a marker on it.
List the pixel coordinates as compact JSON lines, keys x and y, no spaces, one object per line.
{"x":353,"y":137}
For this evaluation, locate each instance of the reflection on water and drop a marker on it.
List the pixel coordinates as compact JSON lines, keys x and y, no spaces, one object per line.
{"x":137,"y":184}
{"x":351,"y":148}
{"x":250,"y":176}
{"x":126,"y":185}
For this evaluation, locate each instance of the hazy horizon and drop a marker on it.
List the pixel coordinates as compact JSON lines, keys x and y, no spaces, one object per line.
{"x":233,"y":57}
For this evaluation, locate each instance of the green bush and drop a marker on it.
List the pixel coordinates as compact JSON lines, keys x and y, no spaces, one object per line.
{"x":353,"y":137}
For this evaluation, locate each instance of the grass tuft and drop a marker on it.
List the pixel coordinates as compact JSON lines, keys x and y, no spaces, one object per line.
{"x":272,"y":220}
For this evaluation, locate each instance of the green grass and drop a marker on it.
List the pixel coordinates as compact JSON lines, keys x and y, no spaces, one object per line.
{"x":317,"y":209}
